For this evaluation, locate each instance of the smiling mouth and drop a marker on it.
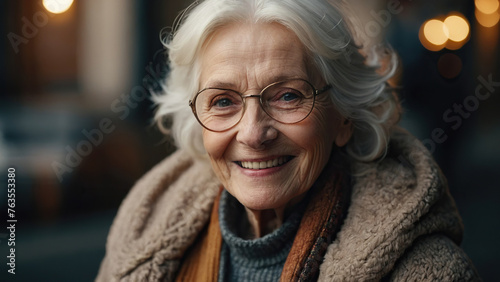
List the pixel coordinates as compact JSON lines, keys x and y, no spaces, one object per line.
{"x":265,"y":164}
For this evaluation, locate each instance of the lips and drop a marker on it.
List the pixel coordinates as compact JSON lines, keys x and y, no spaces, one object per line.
{"x":264,"y":164}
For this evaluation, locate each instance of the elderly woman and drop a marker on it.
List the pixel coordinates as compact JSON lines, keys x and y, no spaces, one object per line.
{"x":289,"y":165}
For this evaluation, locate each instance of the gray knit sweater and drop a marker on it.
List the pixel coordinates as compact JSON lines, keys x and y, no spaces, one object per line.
{"x":259,"y":259}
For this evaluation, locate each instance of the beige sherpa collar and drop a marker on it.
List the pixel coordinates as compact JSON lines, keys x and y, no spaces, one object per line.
{"x":402,"y":198}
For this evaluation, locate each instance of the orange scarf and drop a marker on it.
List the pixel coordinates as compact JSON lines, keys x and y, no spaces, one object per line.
{"x":318,"y":227}
{"x":202,"y":260}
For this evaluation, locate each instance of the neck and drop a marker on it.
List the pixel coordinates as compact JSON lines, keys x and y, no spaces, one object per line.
{"x":263,"y":222}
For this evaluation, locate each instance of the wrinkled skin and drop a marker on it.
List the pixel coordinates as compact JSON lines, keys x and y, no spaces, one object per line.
{"x":247,"y":58}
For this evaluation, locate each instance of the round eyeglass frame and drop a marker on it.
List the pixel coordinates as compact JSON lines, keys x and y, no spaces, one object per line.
{"x":192,"y":103}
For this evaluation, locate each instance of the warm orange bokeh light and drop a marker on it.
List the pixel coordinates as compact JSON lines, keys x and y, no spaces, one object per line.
{"x":57,"y":6}
{"x":451,"y":33}
{"x":487,"y":6}
{"x":458,"y":28}
{"x":436,"y":32}
{"x":487,"y":20}
{"x":425,"y":41}
{"x":459,"y":31}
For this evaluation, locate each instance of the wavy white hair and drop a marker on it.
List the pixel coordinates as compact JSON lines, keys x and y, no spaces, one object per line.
{"x":360,"y":90}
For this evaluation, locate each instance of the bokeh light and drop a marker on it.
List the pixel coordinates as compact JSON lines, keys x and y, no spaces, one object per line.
{"x":487,"y":20}
{"x":436,"y":32}
{"x":487,"y":6}
{"x":57,"y":6}
{"x":458,"y":28}
{"x":451,"y":33}
{"x":433,"y":35}
{"x":459,"y":31}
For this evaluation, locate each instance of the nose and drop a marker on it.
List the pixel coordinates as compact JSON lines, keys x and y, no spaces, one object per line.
{"x":255,"y":127}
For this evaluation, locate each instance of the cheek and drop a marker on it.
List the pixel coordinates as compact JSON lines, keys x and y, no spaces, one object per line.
{"x":316,"y":138}
{"x":318,"y":132}
{"x":216,"y":145}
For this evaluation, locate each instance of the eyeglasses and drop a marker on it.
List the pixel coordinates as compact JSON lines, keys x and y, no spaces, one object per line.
{"x":288,"y":101}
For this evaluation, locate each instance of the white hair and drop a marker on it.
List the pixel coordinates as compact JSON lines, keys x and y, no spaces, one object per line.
{"x":360,"y":90}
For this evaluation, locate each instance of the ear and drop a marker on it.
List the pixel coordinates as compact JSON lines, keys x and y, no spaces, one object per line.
{"x":345,"y":133}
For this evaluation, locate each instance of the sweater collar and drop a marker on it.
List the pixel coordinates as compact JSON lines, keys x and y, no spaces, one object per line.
{"x":269,"y":249}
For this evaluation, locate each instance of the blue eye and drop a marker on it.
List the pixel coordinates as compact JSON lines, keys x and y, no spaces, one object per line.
{"x":224,"y":102}
{"x":289,"y":96}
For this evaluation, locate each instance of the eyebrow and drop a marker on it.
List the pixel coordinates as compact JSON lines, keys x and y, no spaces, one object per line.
{"x":220,"y":84}
{"x":232,"y":86}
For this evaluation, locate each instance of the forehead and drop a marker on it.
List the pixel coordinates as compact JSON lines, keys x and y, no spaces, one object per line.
{"x":244,"y":55}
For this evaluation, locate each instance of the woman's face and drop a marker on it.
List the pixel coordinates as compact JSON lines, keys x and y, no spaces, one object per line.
{"x":247,"y":58}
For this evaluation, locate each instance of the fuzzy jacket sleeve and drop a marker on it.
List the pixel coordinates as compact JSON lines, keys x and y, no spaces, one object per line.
{"x":434,"y":258}
{"x":158,"y":220}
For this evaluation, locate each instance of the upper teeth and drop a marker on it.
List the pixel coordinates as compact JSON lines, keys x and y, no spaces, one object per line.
{"x":262,"y":165}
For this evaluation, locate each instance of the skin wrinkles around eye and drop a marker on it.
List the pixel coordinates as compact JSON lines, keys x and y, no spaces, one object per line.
{"x":223,"y":101}
{"x":288,"y":99}
{"x":288,"y":96}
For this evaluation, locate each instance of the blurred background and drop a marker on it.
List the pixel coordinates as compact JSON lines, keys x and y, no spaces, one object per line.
{"x":76,"y":118}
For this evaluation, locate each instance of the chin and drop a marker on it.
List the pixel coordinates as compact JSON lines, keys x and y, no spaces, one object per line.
{"x":259,"y":206}
{"x":261,"y":199}
{"x":258,"y":201}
